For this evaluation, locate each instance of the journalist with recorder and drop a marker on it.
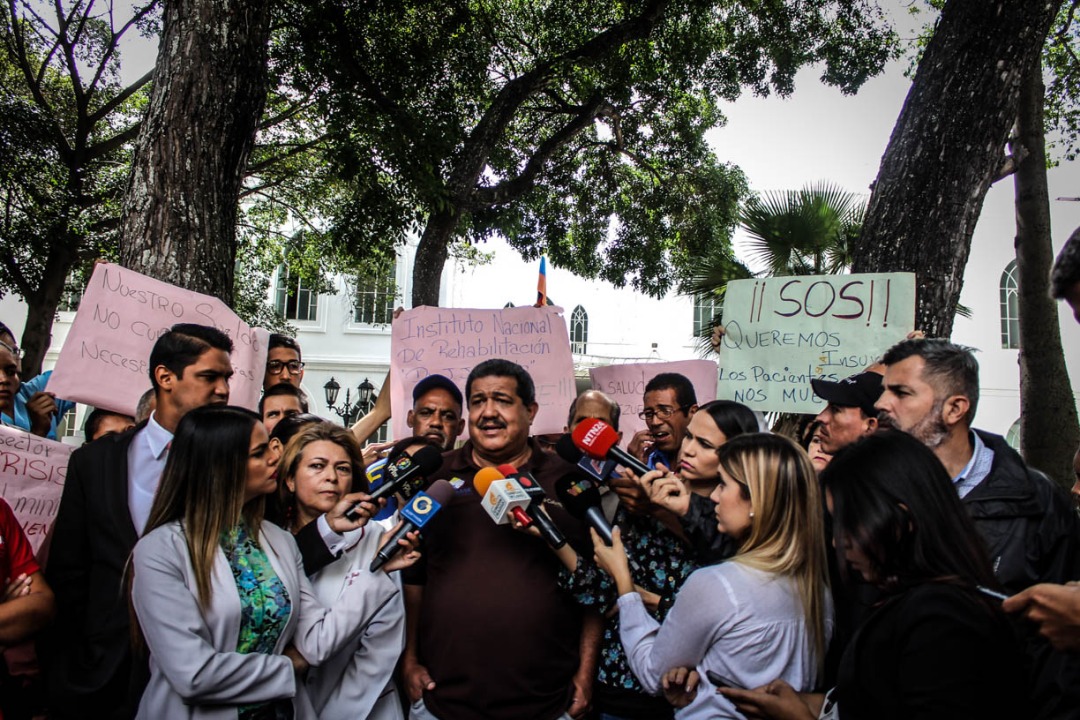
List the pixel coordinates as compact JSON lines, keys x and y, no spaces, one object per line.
{"x":490,"y":636}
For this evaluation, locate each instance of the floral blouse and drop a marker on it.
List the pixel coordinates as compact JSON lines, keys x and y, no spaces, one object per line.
{"x":659,"y":563}
{"x":264,"y":601}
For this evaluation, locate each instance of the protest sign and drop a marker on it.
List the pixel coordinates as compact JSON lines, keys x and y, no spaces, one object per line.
{"x":625,"y":384}
{"x":105,"y":359}
{"x":781,"y":332}
{"x":32,"y":471}
{"x":451,"y":341}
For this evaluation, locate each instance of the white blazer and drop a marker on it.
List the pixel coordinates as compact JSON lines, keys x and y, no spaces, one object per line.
{"x":357,"y":682}
{"x":195,"y":671}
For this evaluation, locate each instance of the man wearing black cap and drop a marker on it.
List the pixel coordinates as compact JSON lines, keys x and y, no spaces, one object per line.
{"x":436,"y":412}
{"x":850,"y":413}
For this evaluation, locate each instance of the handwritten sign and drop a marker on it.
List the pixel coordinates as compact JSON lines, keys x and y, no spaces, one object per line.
{"x":105,"y":359}
{"x":452,"y":341}
{"x":32,"y":471}
{"x":625,"y":384}
{"x":782,"y":332}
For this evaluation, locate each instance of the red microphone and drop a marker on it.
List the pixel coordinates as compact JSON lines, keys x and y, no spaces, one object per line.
{"x":599,"y":440}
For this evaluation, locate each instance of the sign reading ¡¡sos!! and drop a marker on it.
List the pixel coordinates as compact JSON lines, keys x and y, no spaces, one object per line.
{"x":782,"y":332}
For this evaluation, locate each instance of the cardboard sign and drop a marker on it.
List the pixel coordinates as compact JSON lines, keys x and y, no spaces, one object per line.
{"x":32,"y":472}
{"x":625,"y":384}
{"x":782,"y":332}
{"x":452,"y":341}
{"x":105,"y":359}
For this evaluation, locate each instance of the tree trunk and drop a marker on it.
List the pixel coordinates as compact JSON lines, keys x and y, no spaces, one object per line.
{"x":947,"y":147}
{"x":431,"y":255}
{"x":1049,"y":434}
{"x":41,"y":310}
{"x":179,"y":220}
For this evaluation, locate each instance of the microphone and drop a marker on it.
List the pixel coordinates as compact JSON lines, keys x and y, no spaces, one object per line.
{"x":548,"y":530}
{"x":581,"y":498}
{"x":599,"y":440}
{"x":568,"y":451}
{"x":416,"y":514}
{"x":406,"y":475}
{"x":502,"y":496}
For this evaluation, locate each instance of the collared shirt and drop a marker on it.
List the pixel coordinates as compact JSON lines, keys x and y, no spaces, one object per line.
{"x":146,"y":458}
{"x":978,"y":467}
{"x":659,"y":456}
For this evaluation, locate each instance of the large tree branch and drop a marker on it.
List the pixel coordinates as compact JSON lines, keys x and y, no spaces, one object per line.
{"x":504,"y":107}
{"x":294,"y":150}
{"x":113,"y":143}
{"x":120,"y":98}
{"x":114,"y":43}
{"x":515,"y":187}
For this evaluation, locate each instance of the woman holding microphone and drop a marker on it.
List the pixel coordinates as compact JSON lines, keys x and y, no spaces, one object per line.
{"x":224,"y":608}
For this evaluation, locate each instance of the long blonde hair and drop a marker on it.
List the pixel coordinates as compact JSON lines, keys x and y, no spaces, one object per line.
{"x":787,"y":528}
{"x":203,"y":485}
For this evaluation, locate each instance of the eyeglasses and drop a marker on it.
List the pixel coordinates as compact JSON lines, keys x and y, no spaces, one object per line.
{"x":274,"y":367}
{"x":13,"y":349}
{"x":663,"y":412}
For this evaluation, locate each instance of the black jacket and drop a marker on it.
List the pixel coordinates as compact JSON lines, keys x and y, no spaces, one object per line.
{"x":1031,"y":529}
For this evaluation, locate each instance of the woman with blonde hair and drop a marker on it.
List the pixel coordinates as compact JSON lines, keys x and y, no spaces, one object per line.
{"x":229,"y":619}
{"x":321,"y":463}
{"x":763,"y":614}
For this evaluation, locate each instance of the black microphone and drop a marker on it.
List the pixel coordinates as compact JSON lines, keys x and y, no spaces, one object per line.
{"x":416,"y":514}
{"x":571,"y":453}
{"x":597,"y":439}
{"x":548,"y":530}
{"x":407,"y":475}
{"x":581,"y":498}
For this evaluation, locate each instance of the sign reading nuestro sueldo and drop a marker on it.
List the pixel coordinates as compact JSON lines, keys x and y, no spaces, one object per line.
{"x":782,"y":332}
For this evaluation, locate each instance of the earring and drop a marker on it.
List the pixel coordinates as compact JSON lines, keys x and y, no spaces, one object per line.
{"x":751,"y":513}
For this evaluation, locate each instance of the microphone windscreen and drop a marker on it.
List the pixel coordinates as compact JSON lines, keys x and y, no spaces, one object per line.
{"x":595,"y":437}
{"x":567,"y":450}
{"x":483,"y":479}
{"x":441,"y":492}
{"x":577,"y":494}
{"x":507,"y":469}
{"x":428,"y":458}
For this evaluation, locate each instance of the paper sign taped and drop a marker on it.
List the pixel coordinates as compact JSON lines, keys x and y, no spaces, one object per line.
{"x":105,"y":359}
{"x":782,"y":332}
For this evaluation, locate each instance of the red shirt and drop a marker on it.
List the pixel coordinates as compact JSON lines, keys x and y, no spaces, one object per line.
{"x":16,"y":556}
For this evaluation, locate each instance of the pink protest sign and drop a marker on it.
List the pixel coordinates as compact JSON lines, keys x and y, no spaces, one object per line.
{"x":452,"y":341}
{"x":625,"y":384}
{"x":32,"y":471}
{"x":105,"y":359}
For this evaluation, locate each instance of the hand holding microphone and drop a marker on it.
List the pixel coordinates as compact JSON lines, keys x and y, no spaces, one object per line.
{"x":415,"y":515}
{"x":406,"y":475}
{"x":535,"y":509}
{"x":599,"y":440}
{"x":501,"y":497}
{"x":581,"y":498}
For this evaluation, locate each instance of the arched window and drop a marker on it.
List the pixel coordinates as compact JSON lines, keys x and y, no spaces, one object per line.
{"x":706,"y":307}
{"x":1010,"y":308}
{"x":579,"y":330}
{"x":292,"y":300}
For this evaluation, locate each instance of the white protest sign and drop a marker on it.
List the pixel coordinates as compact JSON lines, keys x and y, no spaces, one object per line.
{"x":105,"y":359}
{"x":452,"y":341}
{"x":32,"y":472}
{"x":781,"y":332}
{"x":625,"y":384}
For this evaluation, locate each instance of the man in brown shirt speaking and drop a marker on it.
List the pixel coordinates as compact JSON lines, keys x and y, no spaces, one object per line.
{"x":489,"y":634}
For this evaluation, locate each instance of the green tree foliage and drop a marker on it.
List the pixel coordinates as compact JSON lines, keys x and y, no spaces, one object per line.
{"x":67,"y":123}
{"x":572,"y":129}
{"x":1062,"y":65}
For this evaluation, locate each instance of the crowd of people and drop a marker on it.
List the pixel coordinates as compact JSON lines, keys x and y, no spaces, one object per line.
{"x":207,"y":561}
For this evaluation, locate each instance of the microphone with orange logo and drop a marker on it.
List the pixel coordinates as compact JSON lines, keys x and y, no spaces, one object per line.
{"x":599,"y":440}
{"x":416,"y":514}
{"x":502,"y":497}
{"x":535,"y":509}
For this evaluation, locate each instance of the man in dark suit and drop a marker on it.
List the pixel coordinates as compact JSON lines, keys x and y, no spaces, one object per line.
{"x":105,"y":505}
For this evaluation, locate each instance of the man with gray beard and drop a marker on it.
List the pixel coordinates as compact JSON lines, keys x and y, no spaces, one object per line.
{"x":1029,"y":525}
